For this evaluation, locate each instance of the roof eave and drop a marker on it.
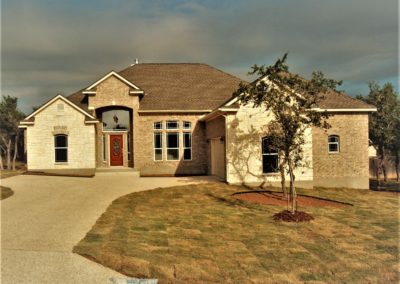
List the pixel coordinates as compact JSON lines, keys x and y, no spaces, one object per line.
{"x":175,"y":111}
{"x":53,"y":100}
{"x":345,"y":109}
{"x":217,"y":113}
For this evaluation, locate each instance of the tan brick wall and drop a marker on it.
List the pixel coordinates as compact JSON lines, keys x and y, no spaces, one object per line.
{"x":112,"y":91}
{"x":349,"y":167}
{"x":40,"y":139}
{"x":245,"y":130}
{"x":144,"y":151}
{"x":214,"y":128}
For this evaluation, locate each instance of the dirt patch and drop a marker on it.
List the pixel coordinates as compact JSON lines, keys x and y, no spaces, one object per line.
{"x":277,"y":198}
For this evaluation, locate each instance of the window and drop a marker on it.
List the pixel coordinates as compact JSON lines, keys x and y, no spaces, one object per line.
{"x":172,"y":125}
{"x":270,"y":157}
{"x":104,"y":147}
{"x":187,"y":146}
{"x":61,"y":148}
{"x":115,"y":120}
{"x":158,"y":155}
{"x":333,"y":144}
{"x":157,"y":125}
{"x":187,"y":125}
{"x":172,"y":146}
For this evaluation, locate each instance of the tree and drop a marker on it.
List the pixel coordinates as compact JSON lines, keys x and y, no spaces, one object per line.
{"x":293,"y":101}
{"x":384,"y":123}
{"x":396,"y":149}
{"x":10,"y":116}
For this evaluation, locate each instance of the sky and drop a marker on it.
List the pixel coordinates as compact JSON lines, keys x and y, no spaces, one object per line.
{"x":50,"y":46}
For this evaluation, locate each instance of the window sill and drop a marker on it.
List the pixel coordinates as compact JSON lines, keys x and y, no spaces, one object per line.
{"x":61,"y":163}
{"x":271,"y":174}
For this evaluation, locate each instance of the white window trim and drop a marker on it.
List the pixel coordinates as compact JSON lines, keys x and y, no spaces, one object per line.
{"x":172,"y":129}
{"x":158,"y":129}
{"x":185,"y":128}
{"x":60,"y":148}
{"x":167,"y":148}
{"x":333,"y":143}
{"x":267,"y":154}
{"x":191,"y":146}
{"x":154,"y":146}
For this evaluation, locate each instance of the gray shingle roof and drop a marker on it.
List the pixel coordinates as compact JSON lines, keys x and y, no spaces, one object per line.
{"x":195,"y":86}
{"x":335,"y":100}
{"x":181,"y":86}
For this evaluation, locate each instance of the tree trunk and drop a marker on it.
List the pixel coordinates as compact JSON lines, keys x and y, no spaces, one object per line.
{"x":384,"y":167}
{"x":293,"y":195}
{"x":397,"y":162}
{"x":283,"y":185}
{"x":15,"y":152}
{"x":8,"y":154}
{"x":1,"y":161}
{"x":379,"y":169}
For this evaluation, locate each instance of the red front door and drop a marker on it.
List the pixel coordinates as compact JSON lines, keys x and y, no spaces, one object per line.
{"x":116,"y":150}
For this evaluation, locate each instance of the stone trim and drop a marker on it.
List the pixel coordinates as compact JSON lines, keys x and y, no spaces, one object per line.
{"x":60,"y":130}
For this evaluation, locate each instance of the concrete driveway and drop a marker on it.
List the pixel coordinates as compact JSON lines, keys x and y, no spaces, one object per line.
{"x":47,"y":216}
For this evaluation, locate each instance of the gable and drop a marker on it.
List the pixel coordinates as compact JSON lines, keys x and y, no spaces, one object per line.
{"x":60,"y":103}
{"x":332,"y":101}
{"x":90,"y":89}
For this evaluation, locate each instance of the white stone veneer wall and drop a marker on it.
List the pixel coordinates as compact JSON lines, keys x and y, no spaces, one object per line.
{"x":40,"y":139}
{"x":245,"y":130}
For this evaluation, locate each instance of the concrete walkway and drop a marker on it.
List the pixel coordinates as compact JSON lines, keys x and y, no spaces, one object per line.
{"x":47,"y":216}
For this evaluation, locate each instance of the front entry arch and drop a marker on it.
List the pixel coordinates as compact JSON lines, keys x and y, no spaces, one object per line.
{"x":116,"y":150}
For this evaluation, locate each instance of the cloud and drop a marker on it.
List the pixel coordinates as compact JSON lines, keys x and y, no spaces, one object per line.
{"x":50,"y":47}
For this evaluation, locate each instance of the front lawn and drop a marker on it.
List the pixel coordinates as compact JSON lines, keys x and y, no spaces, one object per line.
{"x":200,"y":234}
{"x":20,"y":168}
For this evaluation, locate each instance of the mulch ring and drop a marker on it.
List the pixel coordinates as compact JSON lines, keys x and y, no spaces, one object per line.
{"x":297,"y":216}
{"x":277,"y":198}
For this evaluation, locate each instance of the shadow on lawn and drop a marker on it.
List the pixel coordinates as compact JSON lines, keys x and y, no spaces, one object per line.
{"x":5,"y":192}
{"x":221,"y":199}
{"x":388,"y":186}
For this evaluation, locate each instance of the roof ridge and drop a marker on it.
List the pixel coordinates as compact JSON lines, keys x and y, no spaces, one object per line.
{"x":226,"y":73}
{"x":185,"y":63}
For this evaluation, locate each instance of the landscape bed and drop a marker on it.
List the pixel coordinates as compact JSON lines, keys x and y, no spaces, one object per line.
{"x":203,"y":234}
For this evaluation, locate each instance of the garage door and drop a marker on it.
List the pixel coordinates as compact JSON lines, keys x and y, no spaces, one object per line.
{"x":218,"y":158}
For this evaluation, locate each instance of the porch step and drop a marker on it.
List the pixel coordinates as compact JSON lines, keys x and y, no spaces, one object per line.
{"x":125,"y":171}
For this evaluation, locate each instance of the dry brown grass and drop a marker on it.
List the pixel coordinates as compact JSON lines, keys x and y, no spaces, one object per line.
{"x":20,"y":169}
{"x":200,"y":234}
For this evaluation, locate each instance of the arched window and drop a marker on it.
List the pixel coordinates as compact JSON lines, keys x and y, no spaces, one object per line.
{"x":61,"y":148}
{"x":333,"y":144}
{"x":270,"y":157}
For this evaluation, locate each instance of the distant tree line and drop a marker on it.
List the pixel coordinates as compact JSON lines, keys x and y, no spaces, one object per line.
{"x":10,"y":134}
{"x":384,"y":125}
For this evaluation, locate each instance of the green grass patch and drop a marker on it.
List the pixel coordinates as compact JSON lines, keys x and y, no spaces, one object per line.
{"x":201,"y":234}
